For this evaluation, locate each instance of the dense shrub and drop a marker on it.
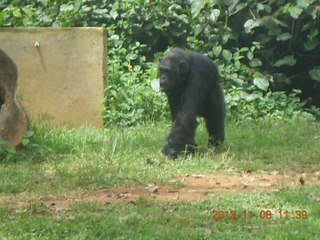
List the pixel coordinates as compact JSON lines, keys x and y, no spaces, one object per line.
{"x":267,"y":52}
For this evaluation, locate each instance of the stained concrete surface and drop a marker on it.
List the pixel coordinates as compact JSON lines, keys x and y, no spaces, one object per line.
{"x":61,"y":72}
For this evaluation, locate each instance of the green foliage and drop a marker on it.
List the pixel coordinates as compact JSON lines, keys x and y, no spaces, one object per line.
{"x":243,"y":105}
{"x":6,"y":152}
{"x":9,"y":153}
{"x":130,"y":98}
{"x":264,"y":50}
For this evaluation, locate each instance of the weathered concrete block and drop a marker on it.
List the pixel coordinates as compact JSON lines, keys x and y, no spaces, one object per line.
{"x":13,"y":118}
{"x":61,"y":72}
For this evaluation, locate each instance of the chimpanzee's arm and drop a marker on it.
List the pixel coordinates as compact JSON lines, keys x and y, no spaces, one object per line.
{"x":182,"y":132}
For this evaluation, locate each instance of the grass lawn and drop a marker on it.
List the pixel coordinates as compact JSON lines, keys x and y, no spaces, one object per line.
{"x":107,"y":184}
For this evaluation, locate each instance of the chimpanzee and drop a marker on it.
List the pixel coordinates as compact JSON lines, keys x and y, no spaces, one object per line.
{"x":191,"y":82}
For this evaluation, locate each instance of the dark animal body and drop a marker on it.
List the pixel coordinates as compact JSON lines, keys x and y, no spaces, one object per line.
{"x":13,"y":118}
{"x":191,"y":83}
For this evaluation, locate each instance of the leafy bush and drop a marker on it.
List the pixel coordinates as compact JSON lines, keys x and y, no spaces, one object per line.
{"x":129,"y":96}
{"x":9,"y":153}
{"x":6,"y":152}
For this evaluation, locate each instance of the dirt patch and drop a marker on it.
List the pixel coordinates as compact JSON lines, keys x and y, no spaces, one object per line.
{"x":187,"y":187}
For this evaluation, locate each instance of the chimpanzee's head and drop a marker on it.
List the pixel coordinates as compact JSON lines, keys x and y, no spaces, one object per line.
{"x":173,"y":70}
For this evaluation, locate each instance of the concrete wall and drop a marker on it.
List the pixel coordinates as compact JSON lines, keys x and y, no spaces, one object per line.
{"x":61,"y":72}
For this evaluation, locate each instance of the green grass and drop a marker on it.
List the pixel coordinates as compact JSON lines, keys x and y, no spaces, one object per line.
{"x":58,"y":161}
{"x":176,"y":220}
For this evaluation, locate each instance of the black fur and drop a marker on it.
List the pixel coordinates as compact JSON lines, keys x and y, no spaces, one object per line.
{"x":191,"y":83}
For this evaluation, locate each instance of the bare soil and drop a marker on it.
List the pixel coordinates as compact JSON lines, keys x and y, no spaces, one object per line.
{"x":190,"y":187}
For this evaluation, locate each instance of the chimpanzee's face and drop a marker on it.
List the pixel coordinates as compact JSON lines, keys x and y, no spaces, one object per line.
{"x":168,"y":74}
{"x":171,"y":72}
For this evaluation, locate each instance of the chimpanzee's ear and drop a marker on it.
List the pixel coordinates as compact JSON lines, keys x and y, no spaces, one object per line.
{"x":183,"y":67}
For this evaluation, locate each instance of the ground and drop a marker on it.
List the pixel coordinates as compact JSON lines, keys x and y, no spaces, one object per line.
{"x":191,"y":187}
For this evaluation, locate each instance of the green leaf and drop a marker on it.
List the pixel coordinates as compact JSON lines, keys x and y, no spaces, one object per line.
{"x":278,"y":22}
{"x":244,"y":49}
{"x":295,"y":11}
{"x":238,"y":7}
{"x":2,"y":15}
{"x":287,"y":60}
{"x":311,"y":44}
{"x":196,"y":7}
{"x":102,"y":12}
{"x":313,"y":33}
{"x":313,"y":12}
{"x":114,"y":11}
{"x":284,"y":36}
{"x":197,"y":29}
{"x":214,"y":15}
{"x":46,"y":19}
{"x":154,"y":71}
{"x":176,"y":29}
{"x":315,"y":73}
{"x":307,"y":26}
{"x":233,"y":76}
{"x":27,"y":21}
{"x":25,"y":142}
{"x":217,"y":50}
{"x":250,"y":24}
{"x":27,"y":10}
{"x":261,"y":83}
{"x":252,"y":96}
{"x":28,"y":134}
{"x":304,"y":3}
{"x":255,"y":63}
{"x":155,"y":85}
{"x":161,"y":23}
{"x":16,"y":13}
{"x":227,"y":55}
{"x":77,"y":4}
{"x":66,"y":8}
